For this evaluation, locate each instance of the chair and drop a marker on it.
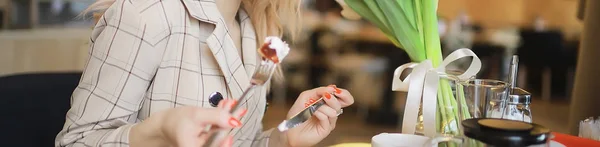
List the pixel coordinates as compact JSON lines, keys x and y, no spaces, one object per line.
{"x":541,"y":54}
{"x":5,"y":7}
{"x":33,"y":107}
{"x":491,"y":57}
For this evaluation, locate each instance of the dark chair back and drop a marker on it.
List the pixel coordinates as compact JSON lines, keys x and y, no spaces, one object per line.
{"x":541,"y":50}
{"x":33,"y":107}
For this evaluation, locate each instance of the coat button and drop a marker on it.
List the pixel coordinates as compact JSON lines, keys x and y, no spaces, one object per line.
{"x":215,"y":98}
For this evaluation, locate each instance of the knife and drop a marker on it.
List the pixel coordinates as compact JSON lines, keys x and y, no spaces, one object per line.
{"x":302,"y":116}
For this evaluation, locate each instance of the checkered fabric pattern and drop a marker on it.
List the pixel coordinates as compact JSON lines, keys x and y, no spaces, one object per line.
{"x":151,"y":55}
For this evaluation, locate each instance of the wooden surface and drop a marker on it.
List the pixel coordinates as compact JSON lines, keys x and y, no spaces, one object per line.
{"x":43,"y":50}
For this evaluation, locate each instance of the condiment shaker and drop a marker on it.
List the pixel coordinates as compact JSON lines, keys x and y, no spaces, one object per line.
{"x":517,"y":105}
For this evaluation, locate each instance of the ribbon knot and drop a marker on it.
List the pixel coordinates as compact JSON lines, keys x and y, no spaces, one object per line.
{"x":422,"y":84}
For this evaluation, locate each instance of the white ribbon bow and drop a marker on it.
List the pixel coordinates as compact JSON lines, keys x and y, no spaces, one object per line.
{"x":422,"y":82}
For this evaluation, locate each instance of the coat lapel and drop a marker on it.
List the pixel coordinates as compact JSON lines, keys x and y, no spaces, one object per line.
{"x":249,"y":47}
{"x":221,"y":45}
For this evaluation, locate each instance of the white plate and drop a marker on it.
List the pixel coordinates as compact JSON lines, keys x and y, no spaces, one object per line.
{"x":402,"y":140}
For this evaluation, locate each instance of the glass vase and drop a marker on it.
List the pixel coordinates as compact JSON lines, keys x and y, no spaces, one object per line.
{"x":449,"y":107}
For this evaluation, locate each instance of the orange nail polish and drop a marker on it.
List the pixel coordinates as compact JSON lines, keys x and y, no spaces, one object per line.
{"x":243,"y":113}
{"x":338,"y":91}
{"x":328,"y":96}
{"x":233,"y":103}
{"x":234,"y":122}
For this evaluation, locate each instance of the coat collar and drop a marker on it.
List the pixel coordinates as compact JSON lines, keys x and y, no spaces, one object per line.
{"x":237,"y":71}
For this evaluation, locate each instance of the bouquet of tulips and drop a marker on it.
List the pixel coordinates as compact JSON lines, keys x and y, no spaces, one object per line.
{"x":413,"y":26}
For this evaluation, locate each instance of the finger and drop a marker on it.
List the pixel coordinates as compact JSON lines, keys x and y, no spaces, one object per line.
{"x":202,"y":139}
{"x":310,"y":101}
{"x":332,"y":102}
{"x":222,"y":103}
{"x":345,"y":98}
{"x":188,"y":141}
{"x":334,"y":86}
{"x":228,"y":142}
{"x":323,"y":90}
{"x":323,"y":120}
{"x":331,"y":113}
{"x":240,"y":113}
{"x":229,"y":105}
{"x":218,"y":117}
{"x":315,"y":93}
{"x":328,"y":111}
{"x":305,"y":96}
{"x":194,"y":140}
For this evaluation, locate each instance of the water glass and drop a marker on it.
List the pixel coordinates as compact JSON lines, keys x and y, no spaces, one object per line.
{"x":484,"y":98}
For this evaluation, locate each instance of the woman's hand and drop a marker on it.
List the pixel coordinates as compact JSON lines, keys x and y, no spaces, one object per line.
{"x":324,"y":119}
{"x":185,"y":126}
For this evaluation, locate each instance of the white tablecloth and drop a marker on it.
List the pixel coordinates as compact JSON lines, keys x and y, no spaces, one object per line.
{"x":43,"y":50}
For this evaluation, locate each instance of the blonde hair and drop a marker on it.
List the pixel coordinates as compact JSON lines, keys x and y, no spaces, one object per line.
{"x":269,"y":17}
{"x":266,"y":16}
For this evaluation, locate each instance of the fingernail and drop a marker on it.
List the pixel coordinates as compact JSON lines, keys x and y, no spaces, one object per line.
{"x":337,"y":90}
{"x":233,"y":103}
{"x":243,"y":112}
{"x":332,"y":85}
{"x":234,"y":122}
{"x":327,"y":95}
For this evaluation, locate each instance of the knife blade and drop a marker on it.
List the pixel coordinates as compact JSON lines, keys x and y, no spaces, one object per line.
{"x":302,"y":116}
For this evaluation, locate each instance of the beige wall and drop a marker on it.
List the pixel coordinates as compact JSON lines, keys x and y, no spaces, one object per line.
{"x":490,"y":13}
{"x":500,"y":13}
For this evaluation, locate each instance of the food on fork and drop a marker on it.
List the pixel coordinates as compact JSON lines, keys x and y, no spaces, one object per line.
{"x":274,"y":49}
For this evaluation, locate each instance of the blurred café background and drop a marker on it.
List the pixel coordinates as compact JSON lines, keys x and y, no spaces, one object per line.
{"x":44,"y":47}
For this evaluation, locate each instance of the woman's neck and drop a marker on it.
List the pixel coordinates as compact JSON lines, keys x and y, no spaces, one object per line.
{"x":228,"y":9}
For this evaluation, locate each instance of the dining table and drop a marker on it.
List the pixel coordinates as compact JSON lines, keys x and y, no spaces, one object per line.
{"x":564,"y":139}
{"x":574,"y":141}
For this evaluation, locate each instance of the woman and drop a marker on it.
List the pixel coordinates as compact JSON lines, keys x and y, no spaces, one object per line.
{"x":154,"y":64}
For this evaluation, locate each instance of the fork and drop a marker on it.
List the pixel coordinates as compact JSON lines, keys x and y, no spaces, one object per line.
{"x":260,"y":76}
